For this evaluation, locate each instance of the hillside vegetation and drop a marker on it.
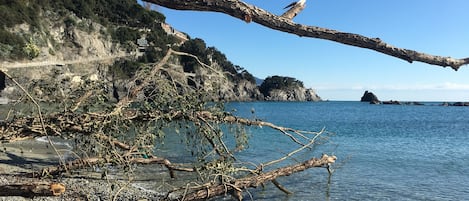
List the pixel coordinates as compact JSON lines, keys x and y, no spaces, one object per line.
{"x":46,"y":30}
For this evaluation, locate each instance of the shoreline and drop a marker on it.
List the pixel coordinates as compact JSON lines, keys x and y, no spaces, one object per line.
{"x":32,"y":154}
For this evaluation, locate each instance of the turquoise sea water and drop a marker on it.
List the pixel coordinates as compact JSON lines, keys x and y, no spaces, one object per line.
{"x":385,"y":152}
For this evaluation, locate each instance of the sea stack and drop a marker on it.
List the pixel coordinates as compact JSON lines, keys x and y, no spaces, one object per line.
{"x":370,"y":97}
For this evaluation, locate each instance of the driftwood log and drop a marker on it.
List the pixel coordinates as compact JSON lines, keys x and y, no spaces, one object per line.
{"x":248,"y":13}
{"x":236,"y":187}
{"x":32,"y":189}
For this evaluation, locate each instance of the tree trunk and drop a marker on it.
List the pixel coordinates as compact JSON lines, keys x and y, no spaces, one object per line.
{"x":32,"y":190}
{"x":236,"y":186}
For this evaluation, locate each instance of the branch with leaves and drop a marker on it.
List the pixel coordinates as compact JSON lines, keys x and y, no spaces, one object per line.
{"x":248,"y":13}
{"x":125,"y":133}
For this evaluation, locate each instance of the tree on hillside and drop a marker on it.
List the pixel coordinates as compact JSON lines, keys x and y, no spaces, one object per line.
{"x":278,"y":82}
{"x":248,"y":13}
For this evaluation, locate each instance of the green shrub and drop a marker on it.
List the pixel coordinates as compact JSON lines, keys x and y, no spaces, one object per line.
{"x":124,"y":34}
{"x":124,"y":69}
{"x":31,"y":50}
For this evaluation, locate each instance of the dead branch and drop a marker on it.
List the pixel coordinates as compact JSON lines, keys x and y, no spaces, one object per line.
{"x":282,"y":188}
{"x":247,"y":12}
{"x":113,"y":142}
{"x":81,"y":99}
{"x":293,"y":152}
{"x":254,"y":181}
{"x":133,"y":93}
{"x":32,"y":189}
{"x":89,"y":162}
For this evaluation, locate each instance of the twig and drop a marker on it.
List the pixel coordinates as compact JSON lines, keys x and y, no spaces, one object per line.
{"x":219,"y":139}
{"x":119,"y":191}
{"x":282,"y":188}
{"x":295,"y":151}
{"x":81,"y":99}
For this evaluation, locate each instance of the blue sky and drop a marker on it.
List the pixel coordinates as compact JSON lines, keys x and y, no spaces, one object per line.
{"x":341,"y":72}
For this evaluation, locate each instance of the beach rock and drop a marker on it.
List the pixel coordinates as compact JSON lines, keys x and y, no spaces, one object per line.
{"x":370,"y":97}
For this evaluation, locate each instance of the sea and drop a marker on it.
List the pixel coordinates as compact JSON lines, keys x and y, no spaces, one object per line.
{"x":385,"y":152}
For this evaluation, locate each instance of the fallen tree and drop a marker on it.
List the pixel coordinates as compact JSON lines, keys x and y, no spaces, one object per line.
{"x":123,"y":134}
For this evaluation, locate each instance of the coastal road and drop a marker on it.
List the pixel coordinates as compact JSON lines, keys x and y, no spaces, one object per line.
{"x":9,"y":65}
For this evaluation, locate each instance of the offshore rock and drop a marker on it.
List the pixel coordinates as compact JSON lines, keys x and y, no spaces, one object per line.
{"x":370,"y":97}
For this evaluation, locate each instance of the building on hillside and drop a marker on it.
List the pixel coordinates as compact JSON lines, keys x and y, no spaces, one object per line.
{"x":170,"y":30}
{"x":142,"y":44}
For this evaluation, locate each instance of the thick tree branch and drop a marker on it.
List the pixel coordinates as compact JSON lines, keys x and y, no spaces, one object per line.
{"x":244,"y":11}
{"x":254,"y":181}
{"x":32,"y":189}
{"x":89,"y":162}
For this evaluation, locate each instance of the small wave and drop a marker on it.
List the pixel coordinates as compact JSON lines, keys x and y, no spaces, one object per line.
{"x":44,"y":139}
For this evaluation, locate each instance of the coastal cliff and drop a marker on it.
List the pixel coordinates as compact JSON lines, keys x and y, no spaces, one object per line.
{"x":279,"y":88}
{"x":70,"y":44}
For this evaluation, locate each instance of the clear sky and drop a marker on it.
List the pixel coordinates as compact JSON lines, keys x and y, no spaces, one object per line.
{"x":341,"y":72}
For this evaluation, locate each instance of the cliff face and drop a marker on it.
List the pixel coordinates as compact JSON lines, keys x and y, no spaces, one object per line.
{"x":293,"y":94}
{"x":279,"y":88}
{"x":241,"y":91}
{"x":57,"y":41}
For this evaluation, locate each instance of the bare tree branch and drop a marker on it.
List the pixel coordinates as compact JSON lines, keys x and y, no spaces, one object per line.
{"x":237,"y":185}
{"x":247,"y":12}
